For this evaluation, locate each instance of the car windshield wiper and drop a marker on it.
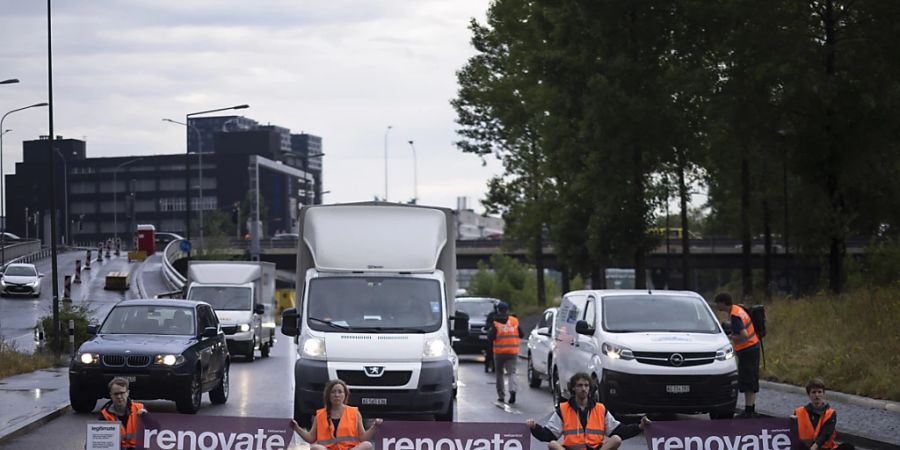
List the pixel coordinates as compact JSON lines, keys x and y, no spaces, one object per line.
{"x":330,"y":323}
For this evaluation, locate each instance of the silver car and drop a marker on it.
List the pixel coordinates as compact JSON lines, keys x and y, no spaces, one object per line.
{"x":21,"y":279}
{"x":541,"y":344}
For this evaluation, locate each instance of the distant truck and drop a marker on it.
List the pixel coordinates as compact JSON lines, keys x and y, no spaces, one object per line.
{"x":243,"y":295}
{"x":375,"y":285}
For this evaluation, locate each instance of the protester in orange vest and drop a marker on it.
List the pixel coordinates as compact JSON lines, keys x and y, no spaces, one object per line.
{"x":817,"y":422}
{"x":583,"y":423}
{"x":338,"y":426}
{"x":121,"y":409}
{"x":505,"y":333}
{"x":746,"y":346}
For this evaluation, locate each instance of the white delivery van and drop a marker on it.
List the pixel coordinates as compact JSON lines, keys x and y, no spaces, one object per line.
{"x":649,"y":351}
{"x":243,"y":295}
{"x":375,"y":284}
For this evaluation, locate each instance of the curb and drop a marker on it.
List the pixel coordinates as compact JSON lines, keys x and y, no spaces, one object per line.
{"x":864,"y":402}
{"x":34,"y":422}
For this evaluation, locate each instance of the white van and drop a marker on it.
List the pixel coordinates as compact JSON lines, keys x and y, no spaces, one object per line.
{"x":649,"y":351}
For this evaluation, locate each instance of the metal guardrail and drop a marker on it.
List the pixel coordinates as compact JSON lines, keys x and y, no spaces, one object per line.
{"x":23,"y":252}
{"x":173,"y":253}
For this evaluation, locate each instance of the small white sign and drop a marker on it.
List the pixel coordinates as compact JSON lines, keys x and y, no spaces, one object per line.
{"x":103,"y":436}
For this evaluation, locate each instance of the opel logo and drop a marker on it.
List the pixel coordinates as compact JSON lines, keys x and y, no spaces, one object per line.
{"x":374,"y":371}
{"x":676,"y":359}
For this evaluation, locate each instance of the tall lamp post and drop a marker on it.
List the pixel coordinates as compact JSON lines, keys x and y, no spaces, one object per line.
{"x":187,"y":171}
{"x":67,"y":229}
{"x":386,"y":161}
{"x":3,"y":178}
{"x":10,"y":81}
{"x":115,"y":196}
{"x":415,"y":199}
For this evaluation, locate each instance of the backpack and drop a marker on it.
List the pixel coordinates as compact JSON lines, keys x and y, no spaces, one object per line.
{"x":757,"y":315}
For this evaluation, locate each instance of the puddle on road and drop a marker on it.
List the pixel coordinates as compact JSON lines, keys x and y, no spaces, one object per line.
{"x":32,"y":394}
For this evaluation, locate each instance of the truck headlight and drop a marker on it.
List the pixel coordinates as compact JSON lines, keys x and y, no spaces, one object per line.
{"x":617,"y":351}
{"x":168,"y":360}
{"x":244,"y":327}
{"x":435,"y":348}
{"x":89,"y":358}
{"x":725,"y":353}
{"x":313,"y":347}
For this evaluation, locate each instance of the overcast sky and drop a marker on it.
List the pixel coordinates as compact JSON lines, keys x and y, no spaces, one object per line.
{"x":343,"y":70}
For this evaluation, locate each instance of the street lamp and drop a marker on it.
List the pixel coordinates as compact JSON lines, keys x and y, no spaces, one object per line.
{"x":386,"y":162}
{"x":10,"y":81}
{"x":200,"y":170}
{"x":115,"y":196}
{"x":2,"y":178}
{"x":187,"y":170}
{"x":68,"y":228}
{"x":415,"y":174}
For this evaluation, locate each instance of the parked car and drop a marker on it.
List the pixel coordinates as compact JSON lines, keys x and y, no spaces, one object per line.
{"x":167,"y":349}
{"x":20,"y":279}
{"x":649,"y":351}
{"x":477,"y":309}
{"x":541,"y":344}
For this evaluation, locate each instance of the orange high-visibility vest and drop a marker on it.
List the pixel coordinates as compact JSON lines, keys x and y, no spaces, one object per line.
{"x":752,"y":338}
{"x":129,"y":431}
{"x":574,"y":436}
{"x":345,"y":437}
{"x":507,"y":340}
{"x":805,"y":429}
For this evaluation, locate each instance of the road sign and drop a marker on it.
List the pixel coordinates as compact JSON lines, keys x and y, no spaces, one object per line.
{"x":186,"y":246}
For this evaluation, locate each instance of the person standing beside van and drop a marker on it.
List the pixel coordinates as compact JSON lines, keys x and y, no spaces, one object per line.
{"x":506,"y":334}
{"x":817,"y":422}
{"x":746,"y":346}
{"x":337,"y":426}
{"x":584,"y":423}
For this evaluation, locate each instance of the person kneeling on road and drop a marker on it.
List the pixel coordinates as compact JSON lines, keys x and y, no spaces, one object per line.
{"x":338,"y":426}
{"x":817,"y":422}
{"x":120,"y":408}
{"x":582,"y":422}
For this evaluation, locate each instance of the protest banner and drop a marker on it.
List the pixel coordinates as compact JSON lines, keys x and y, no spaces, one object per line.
{"x":399,"y":435}
{"x":747,"y":434}
{"x":161,"y":431}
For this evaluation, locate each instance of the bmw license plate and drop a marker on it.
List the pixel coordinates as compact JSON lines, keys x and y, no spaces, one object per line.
{"x":678,"y":388}
{"x":373,"y":401}
{"x":130,"y":378}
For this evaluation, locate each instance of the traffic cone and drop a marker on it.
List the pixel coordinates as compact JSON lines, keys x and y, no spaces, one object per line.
{"x":77,"y":279}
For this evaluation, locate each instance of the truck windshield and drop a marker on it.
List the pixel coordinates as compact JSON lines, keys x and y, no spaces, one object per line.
{"x":657,"y":313}
{"x":223,"y":298}
{"x":379,"y":304}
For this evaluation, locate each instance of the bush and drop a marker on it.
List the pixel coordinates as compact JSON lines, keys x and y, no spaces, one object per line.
{"x":512,"y":282}
{"x":14,"y":362}
{"x":79,"y":313}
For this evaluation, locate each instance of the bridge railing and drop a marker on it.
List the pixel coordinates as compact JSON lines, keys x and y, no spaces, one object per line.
{"x":171,"y":254}
{"x":23,"y":252}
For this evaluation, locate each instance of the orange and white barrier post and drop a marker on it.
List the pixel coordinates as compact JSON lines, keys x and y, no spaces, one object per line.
{"x":99,"y":252}
{"x":77,"y":279}
{"x":67,"y":289}
{"x":87,"y":261}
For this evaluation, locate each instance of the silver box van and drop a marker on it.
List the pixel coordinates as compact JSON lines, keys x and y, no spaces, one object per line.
{"x":649,"y":351}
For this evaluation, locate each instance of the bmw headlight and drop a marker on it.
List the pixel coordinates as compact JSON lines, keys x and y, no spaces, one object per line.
{"x":244,"y":327}
{"x":88,"y":358}
{"x":725,"y":353}
{"x":435,"y":348}
{"x":617,"y":351}
{"x":313,"y":347}
{"x":168,"y":360}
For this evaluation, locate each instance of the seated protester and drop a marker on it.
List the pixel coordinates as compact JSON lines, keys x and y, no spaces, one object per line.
{"x":338,"y":426}
{"x":120,"y":408}
{"x":583,"y":422}
{"x":817,"y":422}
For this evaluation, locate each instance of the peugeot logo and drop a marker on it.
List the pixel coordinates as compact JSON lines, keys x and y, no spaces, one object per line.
{"x":374,"y":371}
{"x":676,"y":359}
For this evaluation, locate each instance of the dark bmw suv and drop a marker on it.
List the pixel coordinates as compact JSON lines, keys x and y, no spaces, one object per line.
{"x":166,"y":349}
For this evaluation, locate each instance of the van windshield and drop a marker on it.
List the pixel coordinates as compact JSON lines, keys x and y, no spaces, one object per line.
{"x":223,"y":298}
{"x":374,"y":304}
{"x":657,"y":313}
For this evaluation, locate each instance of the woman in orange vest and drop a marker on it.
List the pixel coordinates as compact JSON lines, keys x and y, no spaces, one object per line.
{"x":817,"y":422}
{"x":338,"y":426}
{"x":120,"y":408}
{"x":746,"y":346}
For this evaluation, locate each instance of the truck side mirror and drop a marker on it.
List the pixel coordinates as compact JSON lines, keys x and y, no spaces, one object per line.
{"x":290,"y":322}
{"x":582,"y":327}
{"x":259,"y":309}
{"x":92,"y":330}
{"x":544,"y":331}
{"x":460,"y":325}
{"x":210,"y":332}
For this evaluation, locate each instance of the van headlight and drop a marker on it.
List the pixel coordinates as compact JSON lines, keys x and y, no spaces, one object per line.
{"x":313,"y":347}
{"x":435,"y":348}
{"x":168,"y":360}
{"x":725,"y":353}
{"x":617,"y":351}
{"x":244,"y":327}
{"x":88,"y":358}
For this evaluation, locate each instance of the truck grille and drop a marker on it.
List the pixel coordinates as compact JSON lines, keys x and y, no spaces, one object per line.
{"x":389,"y":378}
{"x":230,"y":329}
{"x":686,"y":359}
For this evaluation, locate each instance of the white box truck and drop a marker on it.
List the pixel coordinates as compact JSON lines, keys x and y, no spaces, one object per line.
{"x":375,"y":284}
{"x":243,"y":295}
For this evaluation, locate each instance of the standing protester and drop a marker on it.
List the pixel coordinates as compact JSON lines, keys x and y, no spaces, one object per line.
{"x":584,"y":423}
{"x":120,"y":408}
{"x":505,"y":333}
{"x":338,"y":426}
{"x":746,"y":345}
{"x":817,"y":422}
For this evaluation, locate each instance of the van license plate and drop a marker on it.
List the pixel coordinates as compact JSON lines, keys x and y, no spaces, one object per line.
{"x":678,"y":388}
{"x":374,"y":401}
